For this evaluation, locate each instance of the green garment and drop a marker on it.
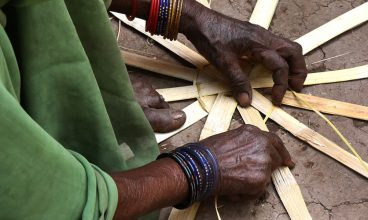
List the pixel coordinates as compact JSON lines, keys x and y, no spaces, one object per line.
{"x":66,"y":110}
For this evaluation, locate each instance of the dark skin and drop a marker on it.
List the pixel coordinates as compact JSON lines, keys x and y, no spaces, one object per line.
{"x":247,"y":156}
{"x":158,"y":112}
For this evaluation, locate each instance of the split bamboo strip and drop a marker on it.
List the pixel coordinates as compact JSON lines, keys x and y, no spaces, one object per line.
{"x":218,"y":121}
{"x":327,"y":106}
{"x":164,"y":67}
{"x":282,"y":178}
{"x":308,"y":135}
{"x":334,"y":28}
{"x":263,"y":12}
{"x":204,"y":2}
{"x":194,"y":113}
{"x":219,"y":117}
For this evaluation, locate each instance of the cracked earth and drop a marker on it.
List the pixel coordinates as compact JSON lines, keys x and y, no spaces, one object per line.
{"x":330,"y":190}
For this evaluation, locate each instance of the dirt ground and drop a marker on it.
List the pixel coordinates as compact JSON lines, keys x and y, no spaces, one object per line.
{"x":330,"y":190}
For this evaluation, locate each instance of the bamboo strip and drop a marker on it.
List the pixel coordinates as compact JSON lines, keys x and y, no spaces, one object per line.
{"x":194,"y":113}
{"x":327,"y":106}
{"x":220,"y":116}
{"x":218,"y":121}
{"x":284,"y":181}
{"x":164,"y":67}
{"x":334,"y":28}
{"x":263,"y":12}
{"x":308,"y":135}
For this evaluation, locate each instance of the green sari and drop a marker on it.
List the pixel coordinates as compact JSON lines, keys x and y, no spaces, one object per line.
{"x":67,"y":112}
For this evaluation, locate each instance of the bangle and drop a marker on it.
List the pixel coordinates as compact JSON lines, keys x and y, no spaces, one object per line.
{"x":164,"y":18}
{"x":133,"y":13}
{"x":201,"y":170}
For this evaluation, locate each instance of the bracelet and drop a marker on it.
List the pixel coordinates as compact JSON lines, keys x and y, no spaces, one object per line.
{"x":164,"y":18}
{"x":133,"y":13}
{"x":201,"y":170}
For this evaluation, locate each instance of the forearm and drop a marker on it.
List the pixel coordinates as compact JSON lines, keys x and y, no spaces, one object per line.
{"x":156,"y":185}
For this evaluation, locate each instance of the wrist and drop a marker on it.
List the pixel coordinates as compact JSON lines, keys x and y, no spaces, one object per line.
{"x":201,"y":169}
{"x":192,"y":10}
{"x":156,"y":185}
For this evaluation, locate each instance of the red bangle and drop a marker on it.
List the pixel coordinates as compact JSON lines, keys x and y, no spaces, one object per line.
{"x":133,"y":13}
{"x":151,"y":23}
{"x":149,"y":19}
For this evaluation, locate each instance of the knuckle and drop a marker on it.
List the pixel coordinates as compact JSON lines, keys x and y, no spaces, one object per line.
{"x":260,"y":179}
{"x":297,"y":47}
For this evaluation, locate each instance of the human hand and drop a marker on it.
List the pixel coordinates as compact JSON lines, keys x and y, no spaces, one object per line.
{"x":158,"y":112}
{"x":224,"y":41}
{"x":247,"y":156}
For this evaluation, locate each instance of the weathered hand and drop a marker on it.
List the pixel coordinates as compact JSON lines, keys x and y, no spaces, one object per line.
{"x":158,"y":112}
{"x":223,"y":41}
{"x":247,"y":156}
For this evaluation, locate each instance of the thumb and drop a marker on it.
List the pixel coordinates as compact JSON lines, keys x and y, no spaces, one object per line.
{"x":164,"y":120}
{"x":239,"y":81}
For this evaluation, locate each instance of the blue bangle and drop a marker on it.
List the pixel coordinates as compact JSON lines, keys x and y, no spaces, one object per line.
{"x":201,"y":170}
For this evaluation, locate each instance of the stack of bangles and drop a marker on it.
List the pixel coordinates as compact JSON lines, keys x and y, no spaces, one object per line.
{"x":201,"y":170}
{"x":164,"y":17}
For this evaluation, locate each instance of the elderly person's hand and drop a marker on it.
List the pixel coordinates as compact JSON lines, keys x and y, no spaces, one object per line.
{"x":224,"y":41}
{"x":246,"y":157}
{"x":158,"y":112}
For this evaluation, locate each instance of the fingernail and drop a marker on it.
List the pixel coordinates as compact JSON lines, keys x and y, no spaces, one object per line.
{"x":243,"y":99}
{"x":178,"y":115}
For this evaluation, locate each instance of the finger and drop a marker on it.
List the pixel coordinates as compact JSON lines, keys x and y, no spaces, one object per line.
{"x":280,"y":147}
{"x":274,"y":62}
{"x":239,"y":81}
{"x":155,"y":100}
{"x":297,"y":66}
{"x":164,"y":120}
{"x":276,"y":158}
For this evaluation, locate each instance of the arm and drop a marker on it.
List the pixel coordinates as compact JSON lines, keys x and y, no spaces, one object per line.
{"x":154,"y":186}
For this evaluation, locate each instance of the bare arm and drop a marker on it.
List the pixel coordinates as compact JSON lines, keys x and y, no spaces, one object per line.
{"x":151,"y":187}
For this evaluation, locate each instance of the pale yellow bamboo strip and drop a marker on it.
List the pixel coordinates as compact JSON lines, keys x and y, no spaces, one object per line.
{"x":194,"y":113}
{"x":218,"y":121}
{"x":190,"y":92}
{"x":204,"y":2}
{"x":284,"y":181}
{"x":327,"y":106}
{"x":334,"y":28}
{"x":164,"y":67}
{"x":308,"y":135}
{"x":261,"y":13}
{"x":175,"y":46}
{"x":219,"y":117}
